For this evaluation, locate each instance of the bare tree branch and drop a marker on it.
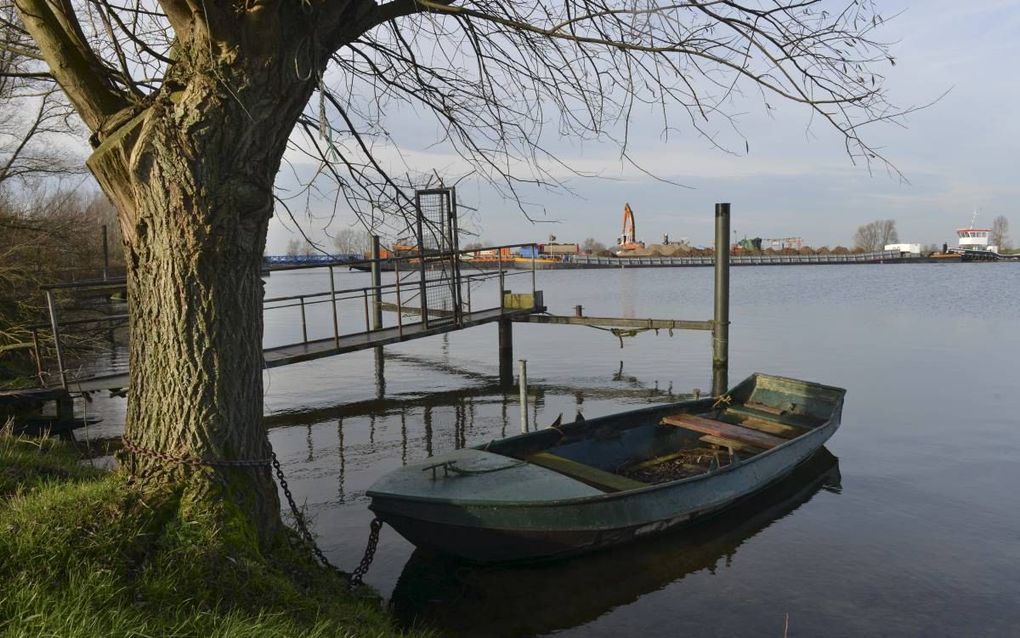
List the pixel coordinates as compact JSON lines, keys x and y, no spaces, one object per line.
{"x":85,"y":79}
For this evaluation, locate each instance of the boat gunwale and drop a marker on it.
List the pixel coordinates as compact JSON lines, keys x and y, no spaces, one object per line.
{"x":610,"y":496}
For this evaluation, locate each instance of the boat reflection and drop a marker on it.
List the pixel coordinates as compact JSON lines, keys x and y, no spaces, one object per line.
{"x":460,"y":599}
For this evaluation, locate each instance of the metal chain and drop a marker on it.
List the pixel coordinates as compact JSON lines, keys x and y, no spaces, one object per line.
{"x":299,"y":518}
{"x":366,"y":561}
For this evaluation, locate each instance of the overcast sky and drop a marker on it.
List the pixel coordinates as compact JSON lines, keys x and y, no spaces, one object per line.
{"x":959,"y":155}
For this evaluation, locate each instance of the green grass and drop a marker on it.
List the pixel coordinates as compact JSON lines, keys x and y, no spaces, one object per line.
{"x":84,"y":554}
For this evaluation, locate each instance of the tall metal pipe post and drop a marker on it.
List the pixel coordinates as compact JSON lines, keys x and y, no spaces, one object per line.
{"x":332,"y":303}
{"x":377,"y":319}
{"x":721,"y":322}
{"x":55,"y":327}
{"x":523,"y":382}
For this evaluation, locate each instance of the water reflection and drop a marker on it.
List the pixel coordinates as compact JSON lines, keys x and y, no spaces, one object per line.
{"x":457,"y":598}
{"x":488,"y":391}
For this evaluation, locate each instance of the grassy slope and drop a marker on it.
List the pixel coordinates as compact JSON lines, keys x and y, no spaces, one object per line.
{"x":82,"y":554}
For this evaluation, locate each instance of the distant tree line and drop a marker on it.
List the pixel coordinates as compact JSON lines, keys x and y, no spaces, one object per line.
{"x":348,"y":241}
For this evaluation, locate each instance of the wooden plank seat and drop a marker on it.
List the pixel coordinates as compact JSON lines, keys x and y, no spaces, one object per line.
{"x":724,"y":430}
{"x":770,"y":426}
{"x":776,"y":416}
{"x":587,"y":474}
{"x":761,"y":407}
{"x":736,"y":446}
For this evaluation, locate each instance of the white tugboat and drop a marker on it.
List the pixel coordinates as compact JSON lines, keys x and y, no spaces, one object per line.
{"x":975,"y":239}
{"x":973,"y":243}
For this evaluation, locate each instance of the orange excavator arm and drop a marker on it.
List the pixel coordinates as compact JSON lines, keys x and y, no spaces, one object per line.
{"x":629,"y":230}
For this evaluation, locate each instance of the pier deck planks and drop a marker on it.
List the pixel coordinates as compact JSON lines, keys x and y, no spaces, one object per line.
{"x":330,"y":346}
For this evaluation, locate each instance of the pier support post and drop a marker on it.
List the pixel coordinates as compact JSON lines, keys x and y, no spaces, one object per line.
{"x":332,"y":304}
{"x":380,"y":373}
{"x":721,"y":322}
{"x":506,"y":353}
{"x":523,"y":382}
{"x":377,"y":320}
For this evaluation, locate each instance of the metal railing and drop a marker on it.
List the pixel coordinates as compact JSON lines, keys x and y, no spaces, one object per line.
{"x":371,"y":300}
{"x":401,"y":297}
{"x":740,"y":260}
{"x":342,"y":258}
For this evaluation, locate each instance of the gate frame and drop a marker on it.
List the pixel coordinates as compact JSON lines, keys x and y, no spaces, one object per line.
{"x":449,"y":235}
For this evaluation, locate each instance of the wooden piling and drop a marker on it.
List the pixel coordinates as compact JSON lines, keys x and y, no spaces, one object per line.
{"x":506,"y":353}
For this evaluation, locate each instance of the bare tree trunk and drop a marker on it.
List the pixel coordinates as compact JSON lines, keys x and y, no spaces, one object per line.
{"x":192,"y":178}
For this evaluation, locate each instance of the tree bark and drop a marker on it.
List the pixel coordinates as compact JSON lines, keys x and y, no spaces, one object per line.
{"x":192,"y":177}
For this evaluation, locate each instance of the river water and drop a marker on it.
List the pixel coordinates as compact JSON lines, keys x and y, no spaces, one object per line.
{"x":908,"y":526}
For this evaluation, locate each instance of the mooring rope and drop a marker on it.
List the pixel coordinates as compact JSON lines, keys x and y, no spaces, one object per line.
{"x":620,"y":333}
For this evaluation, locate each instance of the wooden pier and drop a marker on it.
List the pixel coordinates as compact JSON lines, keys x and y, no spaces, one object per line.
{"x":329,"y":347}
{"x":429,"y":295}
{"x":427,"y":322}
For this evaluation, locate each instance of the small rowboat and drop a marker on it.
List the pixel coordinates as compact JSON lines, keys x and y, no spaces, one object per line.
{"x":593,"y":484}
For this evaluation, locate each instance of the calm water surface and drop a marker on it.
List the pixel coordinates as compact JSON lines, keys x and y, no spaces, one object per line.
{"x":910,"y":527}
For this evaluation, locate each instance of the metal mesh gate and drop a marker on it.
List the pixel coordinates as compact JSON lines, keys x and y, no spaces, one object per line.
{"x":438,"y":261}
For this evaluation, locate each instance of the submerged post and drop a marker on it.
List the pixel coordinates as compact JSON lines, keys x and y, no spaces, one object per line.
{"x":506,"y":353}
{"x":524,"y":395}
{"x":721,"y":322}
